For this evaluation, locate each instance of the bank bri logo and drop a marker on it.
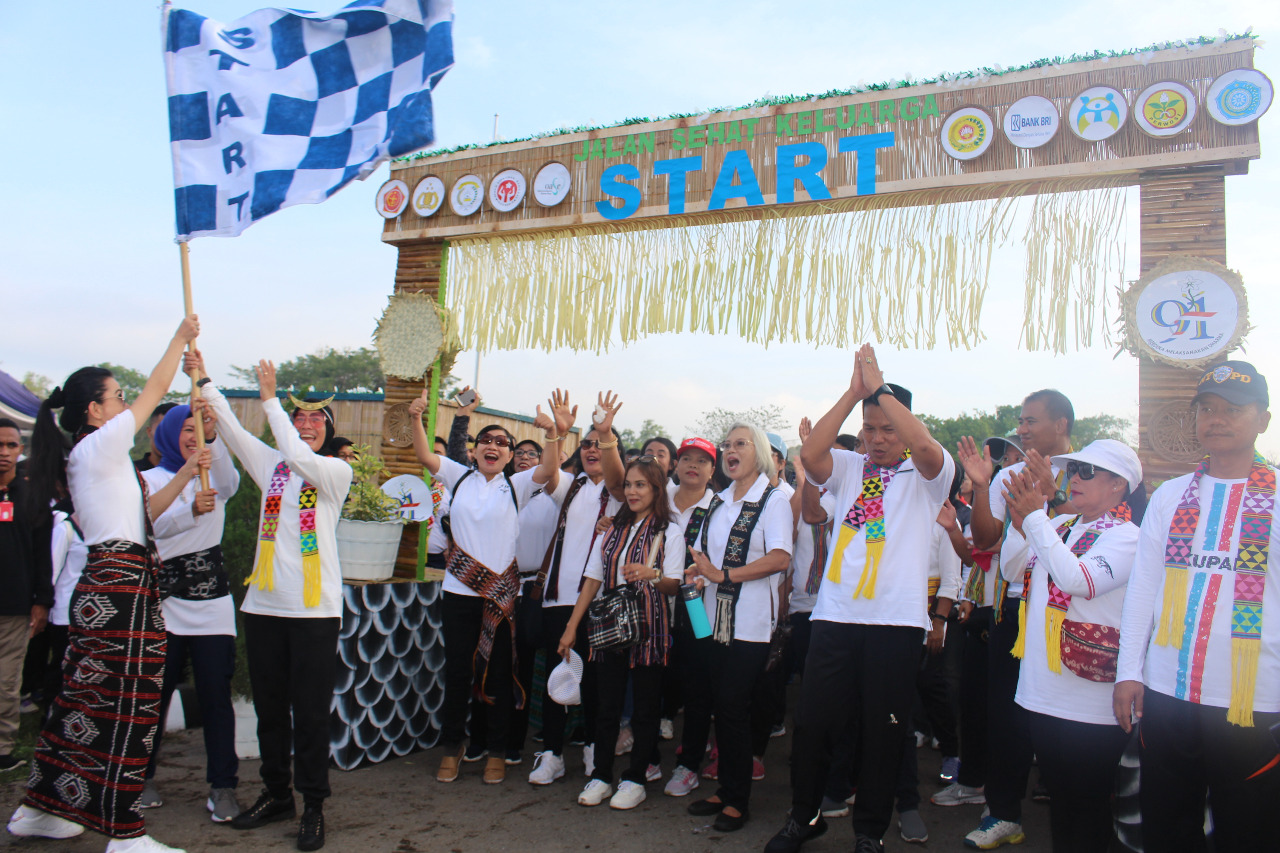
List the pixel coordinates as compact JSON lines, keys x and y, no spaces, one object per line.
{"x":1182,"y":315}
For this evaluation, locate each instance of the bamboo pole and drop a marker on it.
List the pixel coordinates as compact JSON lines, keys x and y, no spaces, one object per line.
{"x":433,"y":397}
{"x":189,"y":309}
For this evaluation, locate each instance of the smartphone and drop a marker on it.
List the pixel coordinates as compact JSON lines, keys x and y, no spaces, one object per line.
{"x":466,"y":398}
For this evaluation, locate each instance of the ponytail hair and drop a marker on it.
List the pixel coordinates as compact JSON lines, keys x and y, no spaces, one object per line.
{"x":47,"y":465}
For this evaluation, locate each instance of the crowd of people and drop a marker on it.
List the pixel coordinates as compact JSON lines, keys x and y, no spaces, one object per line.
{"x":1019,"y":599}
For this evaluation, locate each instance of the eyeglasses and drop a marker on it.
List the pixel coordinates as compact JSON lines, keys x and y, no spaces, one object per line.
{"x":309,"y":417}
{"x":739,"y":445}
{"x":119,"y":395}
{"x":497,"y":440}
{"x":589,"y":443}
{"x":526,"y":454}
{"x":1083,"y":470}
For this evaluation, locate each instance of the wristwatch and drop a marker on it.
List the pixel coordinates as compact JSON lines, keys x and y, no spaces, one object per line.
{"x":883,"y":389}
{"x":1058,"y":499}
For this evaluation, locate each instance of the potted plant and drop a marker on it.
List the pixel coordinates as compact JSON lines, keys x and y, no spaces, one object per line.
{"x":369,"y":529}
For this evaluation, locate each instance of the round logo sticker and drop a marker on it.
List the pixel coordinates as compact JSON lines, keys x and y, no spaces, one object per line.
{"x":1165,"y":109}
{"x":392,"y":198}
{"x":1097,"y":113}
{"x":1239,"y":97}
{"x":1187,"y":315}
{"x":466,"y":196}
{"x":428,"y":195}
{"x":967,"y":133}
{"x":1031,"y":121}
{"x":506,"y":191}
{"x":551,"y":184}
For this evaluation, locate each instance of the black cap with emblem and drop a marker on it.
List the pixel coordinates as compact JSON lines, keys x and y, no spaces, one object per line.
{"x":1236,"y":382}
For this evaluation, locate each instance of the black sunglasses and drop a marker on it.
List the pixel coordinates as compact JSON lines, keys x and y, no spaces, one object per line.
{"x":1083,"y":470}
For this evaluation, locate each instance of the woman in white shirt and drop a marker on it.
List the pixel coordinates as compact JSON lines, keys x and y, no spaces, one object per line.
{"x":199,"y":612}
{"x":1073,"y":595}
{"x":481,"y":580}
{"x":744,"y":546}
{"x":89,"y":762}
{"x":643,"y":547}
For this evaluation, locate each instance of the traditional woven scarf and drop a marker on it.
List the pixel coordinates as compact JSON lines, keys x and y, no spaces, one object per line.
{"x":264,"y":568}
{"x":867,"y":511}
{"x":549,"y":576}
{"x":1056,"y":610}
{"x":499,"y":592}
{"x":1002,"y":585}
{"x":821,"y":542}
{"x":1250,"y":568}
{"x":735,"y":557}
{"x":975,"y":587}
{"x":616,"y":553}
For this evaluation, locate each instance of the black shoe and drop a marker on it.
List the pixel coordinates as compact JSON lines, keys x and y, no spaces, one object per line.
{"x":867,"y":844}
{"x":8,"y":762}
{"x":267,"y":809}
{"x":703,"y":808}
{"x":1040,"y":794}
{"x":725,"y":823}
{"x":475,"y":752}
{"x":311,"y":829}
{"x":513,"y":758}
{"x":794,"y":833}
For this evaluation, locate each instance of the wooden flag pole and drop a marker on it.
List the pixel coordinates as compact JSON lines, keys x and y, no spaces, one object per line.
{"x":188,"y":310}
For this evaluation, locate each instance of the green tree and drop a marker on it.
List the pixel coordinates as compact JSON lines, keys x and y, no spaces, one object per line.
{"x":37,"y":383}
{"x":714,"y":425}
{"x":648,"y":429}
{"x":132,"y":382}
{"x":1004,"y":420}
{"x":327,"y":370}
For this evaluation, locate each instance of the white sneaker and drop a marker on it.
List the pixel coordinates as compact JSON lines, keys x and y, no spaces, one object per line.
{"x":629,"y":796}
{"x":652,"y":773}
{"x":589,"y":759}
{"x":595,"y":793}
{"x":682,"y":781}
{"x":956,"y":794}
{"x":666,"y":729}
{"x":141,"y":844}
{"x":547,"y":768}
{"x":33,"y":823}
{"x":993,"y":832}
{"x":626,"y":740}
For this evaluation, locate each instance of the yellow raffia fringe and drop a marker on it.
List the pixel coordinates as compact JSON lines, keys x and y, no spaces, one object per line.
{"x":837,"y":559}
{"x":1020,"y":646}
{"x":907,"y":269}
{"x":867,"y":583}
{"x":263,"y":569}
{"x":1053,"y":619}
{"x":1244,"y":678}
{"x":1173,"y":614}
{"x":311,"y":580}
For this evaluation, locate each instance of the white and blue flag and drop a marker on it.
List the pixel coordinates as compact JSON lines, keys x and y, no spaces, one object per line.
{"x":287,"y":107}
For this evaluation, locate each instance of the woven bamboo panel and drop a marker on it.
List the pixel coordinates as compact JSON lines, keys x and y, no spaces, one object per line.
{"x":1182,"y":213}
{"x":358,"y":420}
{"x":916,"y":162}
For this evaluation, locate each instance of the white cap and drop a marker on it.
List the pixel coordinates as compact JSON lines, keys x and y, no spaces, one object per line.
{"x":1109,"y":455}
{"x":563,"y":684}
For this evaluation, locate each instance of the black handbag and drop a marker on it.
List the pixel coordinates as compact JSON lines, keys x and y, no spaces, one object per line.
{"x":614,"y":620}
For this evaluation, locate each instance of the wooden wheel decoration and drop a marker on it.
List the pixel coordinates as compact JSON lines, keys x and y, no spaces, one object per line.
{"x":1173,"y":433}
{"x":397,"y":426}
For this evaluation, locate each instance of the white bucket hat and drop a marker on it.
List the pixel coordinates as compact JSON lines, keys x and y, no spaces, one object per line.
{"x":1109,"y":455}
{"x":564,"y":682}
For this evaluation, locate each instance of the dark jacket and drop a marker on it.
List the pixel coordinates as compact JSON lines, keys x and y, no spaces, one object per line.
{"x":26,"y":567}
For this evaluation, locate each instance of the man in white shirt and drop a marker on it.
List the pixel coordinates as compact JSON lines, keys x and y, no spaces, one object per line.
{"x":1044,"y":430}
{"x":872,"y":609}
{"x":1199,"y":662}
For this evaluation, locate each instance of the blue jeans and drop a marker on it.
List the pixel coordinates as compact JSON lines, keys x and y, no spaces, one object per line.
{"x":213,"y":660}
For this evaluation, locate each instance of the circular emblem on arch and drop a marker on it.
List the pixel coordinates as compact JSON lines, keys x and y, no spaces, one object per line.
{"x":1239,"y":97}
{"x":466,"y":195}
{"x":552,"y":184}
{"x":1097,"y":113}
{"x":967,"y":133}
{"x":1186,"y":312}
{"x":1031,"y":121}
{"x":1165,"y":109}
{"x":392,"y":198}
{"x":428,"y":196}
{"x":506,"y":190}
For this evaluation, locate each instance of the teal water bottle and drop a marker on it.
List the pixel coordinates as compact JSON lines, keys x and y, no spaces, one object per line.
{"x":697,"y":613}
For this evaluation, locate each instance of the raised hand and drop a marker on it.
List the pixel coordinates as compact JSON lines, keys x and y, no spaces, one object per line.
{"x":562,"y":411}
{"x":806,"y":427}
{"x":872,"y":375}
{"x":266,"y":371}
{"x":193,"y":359}
{"x":1042,"y":471}
{"x":470,"y":408}
{"x":978,"y":464}
{"x":208,"y":418}
{"x":1022,"y":497}
{"x":857,"y":384}
{"x":419,"y":405}
{"x":188,"y":329}
{"x":543,"y":421}
{"x":607,"y":406}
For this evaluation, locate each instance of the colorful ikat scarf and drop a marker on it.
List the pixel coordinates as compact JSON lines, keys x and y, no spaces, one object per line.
{"x":264,"y":568}
{"x":867,"y":511}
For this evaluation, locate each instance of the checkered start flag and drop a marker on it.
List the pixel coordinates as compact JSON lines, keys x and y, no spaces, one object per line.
{"x":287,"y":107}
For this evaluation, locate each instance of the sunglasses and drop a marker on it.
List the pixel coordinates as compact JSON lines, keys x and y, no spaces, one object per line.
{"x":1083,"y":470}
{"x":497,"y":440}
{"x":589,"y":443}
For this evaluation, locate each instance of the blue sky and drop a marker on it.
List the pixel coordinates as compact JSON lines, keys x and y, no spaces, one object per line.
{"x":91,"y":274}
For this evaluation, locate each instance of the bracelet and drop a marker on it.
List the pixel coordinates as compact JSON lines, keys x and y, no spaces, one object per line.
{"x":603,"y":446}
{"x":553,"y":438}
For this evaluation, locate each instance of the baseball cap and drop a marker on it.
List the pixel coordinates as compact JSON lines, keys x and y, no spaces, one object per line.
{"x":564,"y":684}
{"x":1236,"y":382}
{"x":776,"y":442}
{"x":1110,"y":455}
{"x":697,"y":443}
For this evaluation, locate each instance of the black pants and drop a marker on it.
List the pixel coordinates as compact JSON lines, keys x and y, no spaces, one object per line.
{"x":1188,"y":749}
{"x":1078,"y":765}
{"x":973,"y":699}
{"x":612,"y":675}
{"x":936,"y":684}
{"x":292,"y":668}
{"x":867,"y":671}
{"x":554,"y":715}
{"x":799,"y":646}
{"x":696,"y":678}
{"x":213,"y":662}
{"x":737,"y":685}
{"x":460,"y":620}
{"x":518,"y":724}
{"x":1008,"y":733}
